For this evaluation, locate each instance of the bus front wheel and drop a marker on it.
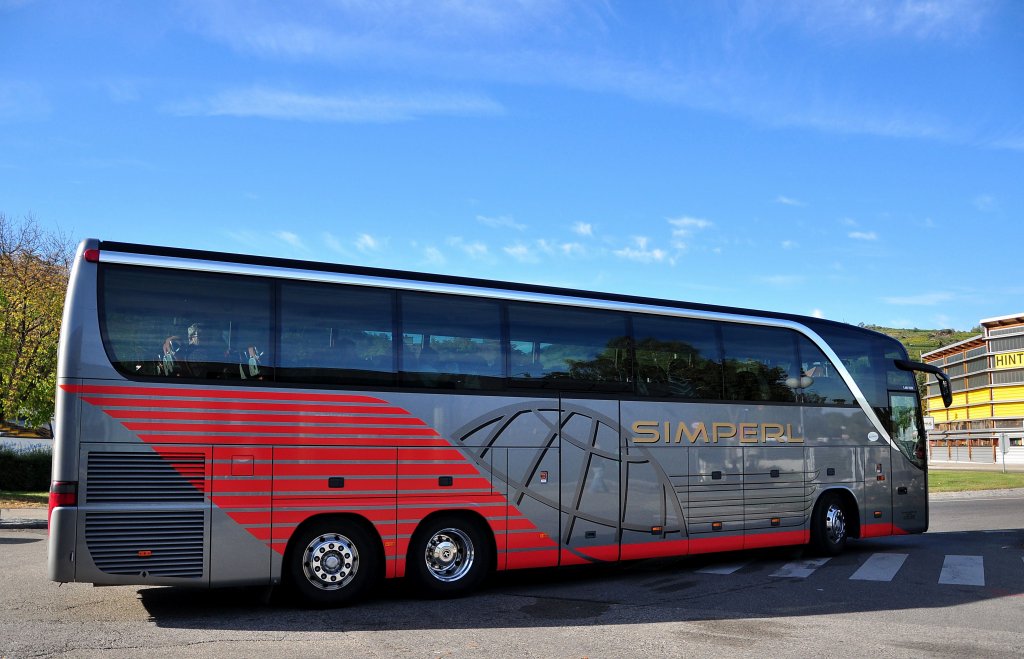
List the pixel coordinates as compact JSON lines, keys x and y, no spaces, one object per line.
{"x":332,"y":562}
{"x":829,"y":527}
{"x":449,"y":556}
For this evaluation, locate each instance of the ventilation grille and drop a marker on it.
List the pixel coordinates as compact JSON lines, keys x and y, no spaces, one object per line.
{"x":153,"y":544}
{"x":145,"y":477}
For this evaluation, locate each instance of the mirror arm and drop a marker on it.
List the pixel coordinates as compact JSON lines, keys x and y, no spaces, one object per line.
{"x":945,"y":386}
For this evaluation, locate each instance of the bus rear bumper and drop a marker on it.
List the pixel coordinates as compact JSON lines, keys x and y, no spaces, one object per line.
{"x":61,"y":551}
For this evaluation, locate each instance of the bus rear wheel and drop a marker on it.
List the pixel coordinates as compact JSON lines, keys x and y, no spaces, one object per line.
{"x":449,"y":556}
{"x":332,"y":562}
{"x":829,"y":526}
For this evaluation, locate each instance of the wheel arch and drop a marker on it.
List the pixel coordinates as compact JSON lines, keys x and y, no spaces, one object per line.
{"x":849,"y":502}
{"x":474,"y":517}
{"x":341,"y":518}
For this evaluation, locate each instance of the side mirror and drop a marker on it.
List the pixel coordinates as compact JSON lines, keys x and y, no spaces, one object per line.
{"x":945,"y":387}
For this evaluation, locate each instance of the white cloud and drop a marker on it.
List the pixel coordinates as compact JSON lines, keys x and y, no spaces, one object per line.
{"x":584,"y":229}
{"x":684,"y":228}
{"x":789,"y":244}
{"x":475,"y":250}
{"x":922,"y":300}
{"x":291,"y":239}
{"x":334,"y":244}
{"x":572,"y":249}
{"x":249,"y":239}
{"x":265,"y":103}
{"x":503,"y":222}
{"x":781,"y":280}
{"x":788,"y":201}
{"x":367,"y":243}
{"x":433,"y":256}
{"x":639,"y":251}
{"x":818,"y":313}
{"x":870,"y":19}
{"x":521,"y":253}
{"x":985,"y":203}
{"x":863,"y":235}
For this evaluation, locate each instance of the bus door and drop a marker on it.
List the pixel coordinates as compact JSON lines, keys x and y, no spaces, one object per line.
{"x":876,"y":516}
{"x":589,"y":486}
{"x":909,"y":481}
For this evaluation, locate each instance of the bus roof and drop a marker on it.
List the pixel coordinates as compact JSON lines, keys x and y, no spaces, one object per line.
{"x":473,"y":282}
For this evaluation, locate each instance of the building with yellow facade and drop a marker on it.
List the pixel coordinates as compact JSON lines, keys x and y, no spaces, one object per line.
{"x":987,"y":414}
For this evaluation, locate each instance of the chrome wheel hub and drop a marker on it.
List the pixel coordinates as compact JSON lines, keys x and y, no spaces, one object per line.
{"x":835,"y":524}
{"x":330,"y":561}
{"x":449,"y":555}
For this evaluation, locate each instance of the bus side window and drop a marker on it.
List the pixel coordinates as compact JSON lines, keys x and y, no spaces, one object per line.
{"x":194,"y":328}
{"x":553,"y":346}
{"x":825,"y":386}
{"x":760,"y":363}
{"x":677,"y":358}
{"x":335,"y":334}
{"x":450,"y":341}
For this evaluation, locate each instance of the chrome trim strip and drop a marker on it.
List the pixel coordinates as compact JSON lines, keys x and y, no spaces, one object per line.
{"x":294,"y":274}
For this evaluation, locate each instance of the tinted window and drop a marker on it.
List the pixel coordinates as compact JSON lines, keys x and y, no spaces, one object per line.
{"x":181,"y":324}
{"x":451,"y":342}
{"x":559,"y":346}
{"x":869,"y":359}
{"x":760,"y":363}
{"x":336,"y":334}
{"x":820,"y":383}
{"x":677,"y":358}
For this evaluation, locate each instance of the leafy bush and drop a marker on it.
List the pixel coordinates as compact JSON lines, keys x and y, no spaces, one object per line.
{"x":27,"y":471}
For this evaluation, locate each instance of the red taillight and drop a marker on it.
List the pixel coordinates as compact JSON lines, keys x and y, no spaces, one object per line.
{"x":92,"y":255}
{"x":62,"y":493}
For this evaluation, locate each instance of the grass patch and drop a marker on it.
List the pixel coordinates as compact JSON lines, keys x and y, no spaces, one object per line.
{"x":10,"y":499}
{"x":949,"y":480}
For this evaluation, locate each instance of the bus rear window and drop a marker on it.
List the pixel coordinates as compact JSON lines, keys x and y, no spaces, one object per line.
{"x":178,"y":324}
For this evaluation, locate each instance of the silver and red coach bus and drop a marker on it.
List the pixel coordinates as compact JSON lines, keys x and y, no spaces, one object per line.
{"x":230,"y":420}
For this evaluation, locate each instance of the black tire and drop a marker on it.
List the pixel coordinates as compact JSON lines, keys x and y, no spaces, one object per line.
{"x":333,"y":562}
{"x":830,"y":526}
{"x":449,"y":556}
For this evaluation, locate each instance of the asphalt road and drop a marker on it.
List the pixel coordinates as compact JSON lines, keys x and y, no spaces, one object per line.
{"x":957,"y":591}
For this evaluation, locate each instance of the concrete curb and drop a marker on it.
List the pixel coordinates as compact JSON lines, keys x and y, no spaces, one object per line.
{"x":23,"y":518}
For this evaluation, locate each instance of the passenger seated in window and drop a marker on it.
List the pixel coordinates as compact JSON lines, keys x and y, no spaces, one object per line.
{"x":250,"y":366}
{"x":167,"y":361}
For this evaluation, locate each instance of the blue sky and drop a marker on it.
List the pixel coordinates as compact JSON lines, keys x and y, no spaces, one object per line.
{"x":858,"y":160}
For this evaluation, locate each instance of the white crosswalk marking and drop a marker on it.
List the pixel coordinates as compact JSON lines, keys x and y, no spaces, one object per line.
{"x":727,"y":568}
{"x":800,"y":569}
{"x":880,"y":567}
{"x":963,"y":570}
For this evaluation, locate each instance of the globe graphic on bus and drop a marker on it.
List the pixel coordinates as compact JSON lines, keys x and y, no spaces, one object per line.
{"x":571,"y":472}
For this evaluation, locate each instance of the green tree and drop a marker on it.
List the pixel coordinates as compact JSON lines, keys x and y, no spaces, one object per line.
{"x":34,"y":268}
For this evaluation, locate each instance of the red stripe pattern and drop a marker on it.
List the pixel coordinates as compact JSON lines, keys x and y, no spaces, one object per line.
{"x":279,"y":458}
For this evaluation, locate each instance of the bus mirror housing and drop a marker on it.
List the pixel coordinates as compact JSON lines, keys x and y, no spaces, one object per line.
{"x":945,"y":388}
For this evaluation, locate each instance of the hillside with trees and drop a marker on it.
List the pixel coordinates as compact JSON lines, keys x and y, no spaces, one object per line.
{"x":920,"y":341}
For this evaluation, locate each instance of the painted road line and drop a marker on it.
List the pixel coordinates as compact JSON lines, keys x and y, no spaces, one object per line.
{"x":880,"y":567}
{"x":963,"y":570}
{"x":800,"y":569}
